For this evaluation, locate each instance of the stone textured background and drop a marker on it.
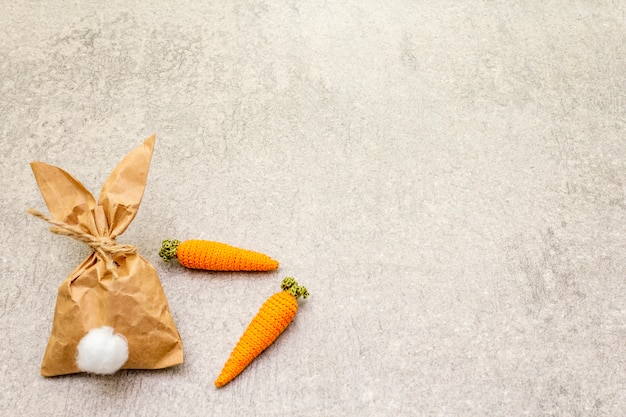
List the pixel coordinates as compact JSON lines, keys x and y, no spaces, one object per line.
{"x":447,"y":179}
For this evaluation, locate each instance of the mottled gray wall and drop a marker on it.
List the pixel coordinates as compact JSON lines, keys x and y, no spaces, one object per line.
{"x":447,"y":178}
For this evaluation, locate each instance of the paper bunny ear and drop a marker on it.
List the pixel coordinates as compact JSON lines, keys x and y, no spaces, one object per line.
{"x":62,"y":192}
{"x":122,"y":192}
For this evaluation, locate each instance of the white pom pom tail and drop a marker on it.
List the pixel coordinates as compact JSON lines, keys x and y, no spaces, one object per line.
{"x":101,"y":351}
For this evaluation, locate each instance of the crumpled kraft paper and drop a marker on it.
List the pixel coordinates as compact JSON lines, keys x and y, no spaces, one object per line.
{"x":123,"y":291}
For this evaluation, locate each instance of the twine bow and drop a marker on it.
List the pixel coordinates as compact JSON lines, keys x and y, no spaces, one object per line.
{"x":105,"y":246}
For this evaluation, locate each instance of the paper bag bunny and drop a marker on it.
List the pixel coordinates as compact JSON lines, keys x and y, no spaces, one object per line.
{"x":111,"y":312}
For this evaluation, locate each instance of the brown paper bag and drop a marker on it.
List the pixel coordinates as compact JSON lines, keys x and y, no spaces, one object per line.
{"x":114,"y":288}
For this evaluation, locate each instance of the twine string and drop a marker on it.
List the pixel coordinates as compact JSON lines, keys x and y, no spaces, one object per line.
{"x":104,"y":246}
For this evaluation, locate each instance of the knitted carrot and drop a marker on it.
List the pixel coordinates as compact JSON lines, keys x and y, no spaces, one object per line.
{"x":215,"y":256}
{"x":273,"y":317}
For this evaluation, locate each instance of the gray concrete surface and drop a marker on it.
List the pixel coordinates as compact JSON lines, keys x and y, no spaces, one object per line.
{"x":447,"y":178}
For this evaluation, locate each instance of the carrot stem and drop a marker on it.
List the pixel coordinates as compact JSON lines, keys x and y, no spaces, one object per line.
{"x":169,"y":248}
{"x":290,"y":285}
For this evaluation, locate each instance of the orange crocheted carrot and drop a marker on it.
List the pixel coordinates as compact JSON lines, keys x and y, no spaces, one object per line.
{"x":215,"y":256}
{"x":273,"y":317}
